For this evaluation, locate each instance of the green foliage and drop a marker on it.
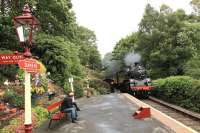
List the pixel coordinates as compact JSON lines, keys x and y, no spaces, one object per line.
{"x":88,"y":52}
{"x":14,"y":98}
{"x":39,"y":116}
{"x":59,"y":56}
{"x":66,"y":87}
{"x":180,"y":90}
{"x":20,"y":75}
{"x":100,"y":86}
{"x":166,"y":40}
{"x":79,"y":92}
{"x":61,"y":44}
{"x":192,"y":67}
{"x":56,"y":18}
{"x":42,"y":114}
{"x":124,"y":46}
{"x":8,"y":39}
{"x":196,"y":6}
{"x":44,"y":81}
{"x":78,"y":88}
{"x":6,"y":130}
{"x":14,"y":122}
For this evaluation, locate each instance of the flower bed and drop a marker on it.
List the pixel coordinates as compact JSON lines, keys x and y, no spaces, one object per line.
{"x":39,"y":115}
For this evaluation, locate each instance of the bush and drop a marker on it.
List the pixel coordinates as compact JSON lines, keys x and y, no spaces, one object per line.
{"x":6,"y":130}
{"x":41,"y":114}
{"x":180,"y":90}
{"x":192,"y":67}
{"x":66,"y":87}
{"x":100,"y":86}
{"x":14,"y":98}
{"x":78,"y":90}
{"x":20,"y":76}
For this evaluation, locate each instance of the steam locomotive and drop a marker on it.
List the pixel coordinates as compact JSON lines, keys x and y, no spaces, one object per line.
{"x":136,"y":82}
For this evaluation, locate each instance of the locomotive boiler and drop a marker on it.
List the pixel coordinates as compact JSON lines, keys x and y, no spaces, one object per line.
{"x":136,"y":81}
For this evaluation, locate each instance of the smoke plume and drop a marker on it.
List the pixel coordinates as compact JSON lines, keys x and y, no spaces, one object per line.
{"x":131,"y":58}
{"x":112,"y":66}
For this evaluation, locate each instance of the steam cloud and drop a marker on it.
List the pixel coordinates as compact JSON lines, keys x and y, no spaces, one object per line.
{"x":112,"y":66}
{"x":131,"y":58}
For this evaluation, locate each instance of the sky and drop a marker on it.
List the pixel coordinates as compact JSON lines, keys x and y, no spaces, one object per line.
{"x":113,"y":19}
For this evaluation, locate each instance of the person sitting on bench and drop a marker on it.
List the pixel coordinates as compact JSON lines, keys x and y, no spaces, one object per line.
{"x":73,"y":101}
{"x":67,"y":107}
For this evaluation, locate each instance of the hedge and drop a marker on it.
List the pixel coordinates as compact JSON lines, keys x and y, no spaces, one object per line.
{"x":183,"y":91}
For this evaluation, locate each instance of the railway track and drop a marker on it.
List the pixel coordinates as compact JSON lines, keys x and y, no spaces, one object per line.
{"x":186,"y":117}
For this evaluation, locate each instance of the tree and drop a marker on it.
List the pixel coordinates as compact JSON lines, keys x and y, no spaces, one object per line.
{"x":124,"y":46}
{"x":196,"y":6}
{"x":59,"y":17}
{"x":163,"y":42}
{"x":164,"y":9}
{"x":88,"y":52}
{"x":58,"y":42}
{"x":192,"y":67}
{"x":59,"y":56}
{"x":166,"y":40}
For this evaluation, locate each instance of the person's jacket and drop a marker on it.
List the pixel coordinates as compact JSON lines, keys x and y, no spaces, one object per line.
{"x":67,"y":103}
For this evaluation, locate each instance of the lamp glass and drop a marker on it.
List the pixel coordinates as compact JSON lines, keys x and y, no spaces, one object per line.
{"x":20,"y":33}
{"x":23,"y":33}
{"x":26,"y":32}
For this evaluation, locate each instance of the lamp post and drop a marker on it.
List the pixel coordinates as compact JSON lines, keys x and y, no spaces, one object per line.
{"x":87,"y":77}
{"x":25,"y":26}
{"x":88,"y":92}
{"x":71,"y":80}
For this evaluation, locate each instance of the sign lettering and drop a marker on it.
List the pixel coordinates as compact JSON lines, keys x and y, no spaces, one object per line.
{"x":29,"y":65}
{"x":10,"y":58}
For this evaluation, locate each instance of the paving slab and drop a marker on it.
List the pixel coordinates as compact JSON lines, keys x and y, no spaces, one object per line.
{"x":106,"y":114}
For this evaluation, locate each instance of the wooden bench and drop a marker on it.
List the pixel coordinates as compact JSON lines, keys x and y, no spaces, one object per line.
{"x":54,"y":112}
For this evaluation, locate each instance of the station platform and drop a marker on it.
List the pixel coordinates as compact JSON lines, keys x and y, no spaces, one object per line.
{"x":110,"y":113}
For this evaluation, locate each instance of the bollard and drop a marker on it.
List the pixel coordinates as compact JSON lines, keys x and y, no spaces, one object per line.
{"x":143,"y":112}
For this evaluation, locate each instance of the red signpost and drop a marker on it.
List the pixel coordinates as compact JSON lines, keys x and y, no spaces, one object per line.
{"x":25,"y":25}
{"x":10,"y":58}
{"x":29,"y":65}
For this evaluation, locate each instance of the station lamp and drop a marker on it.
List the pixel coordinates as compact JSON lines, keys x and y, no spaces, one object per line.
{"x":25,"y":26}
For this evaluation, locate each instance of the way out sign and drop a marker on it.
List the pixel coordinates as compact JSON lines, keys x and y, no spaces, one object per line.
{"x":29,"y":65}
{"x":10,"y":58}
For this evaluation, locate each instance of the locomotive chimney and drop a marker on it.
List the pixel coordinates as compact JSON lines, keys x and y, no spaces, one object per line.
{"x":136,"y":64}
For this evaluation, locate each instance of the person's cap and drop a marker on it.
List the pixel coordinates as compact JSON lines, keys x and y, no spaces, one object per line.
{"x":71,"y":94}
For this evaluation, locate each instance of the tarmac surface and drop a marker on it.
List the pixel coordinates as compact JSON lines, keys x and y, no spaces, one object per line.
{"x":106,"y":114}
